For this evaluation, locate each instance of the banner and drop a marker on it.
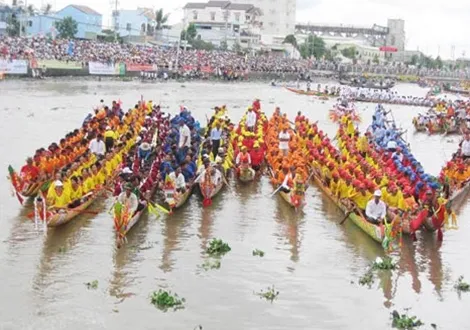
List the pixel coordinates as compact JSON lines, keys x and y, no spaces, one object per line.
{"x":141,"y":67}
{"x":54,"y":64}
{"x":107,"y":69}
{"x":14,"y":66}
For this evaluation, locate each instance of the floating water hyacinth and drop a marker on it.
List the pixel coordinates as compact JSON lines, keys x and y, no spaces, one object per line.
{"x":165,"y":299}
{"x":217,"y":247}
{"x":404,"y":321}
{"x":258,"y":253}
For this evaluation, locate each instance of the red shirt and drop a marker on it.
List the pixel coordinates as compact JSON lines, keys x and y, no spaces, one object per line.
{"x":29,"y":172}
{"x":257,"y":156}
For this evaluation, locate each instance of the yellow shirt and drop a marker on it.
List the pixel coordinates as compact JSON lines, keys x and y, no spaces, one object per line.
{"x":111,"y":134}
{"x":76,"y":194}
{"x":362,"y":200}
{"x":88,"y":185}
{"x":99,"y":179}
{"x":61,"y":201}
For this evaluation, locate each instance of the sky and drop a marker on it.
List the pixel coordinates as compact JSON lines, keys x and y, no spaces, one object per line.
{"x":432,"y":26}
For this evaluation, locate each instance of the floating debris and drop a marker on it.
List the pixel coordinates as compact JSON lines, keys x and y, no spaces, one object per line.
{"x":270,"y":294}
{"x":404,"y":321}
{"x":217,"y":247}
{"x":165,"y":299}
{"x":92,"y":285}
{"x":367,"y":278}
{"x":211,"y":264}
{"x":461,"y":285}
{"x":386,"y":263}
{"x":259,"y":253}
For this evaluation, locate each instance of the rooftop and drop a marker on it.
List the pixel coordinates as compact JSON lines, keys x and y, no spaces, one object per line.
{"x":219,"y":4}
{"x":85,"y":9}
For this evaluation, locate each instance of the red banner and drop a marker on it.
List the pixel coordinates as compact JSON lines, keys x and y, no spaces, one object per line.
{"x":206,"y":69}
{"x":141,"y":67}
{"x":388,"y":49}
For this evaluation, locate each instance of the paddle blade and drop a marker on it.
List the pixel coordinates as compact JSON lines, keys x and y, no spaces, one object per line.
{"x":161,"y":208}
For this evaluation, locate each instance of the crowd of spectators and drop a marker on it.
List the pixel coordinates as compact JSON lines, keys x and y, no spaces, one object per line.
{"x":84,"y":51}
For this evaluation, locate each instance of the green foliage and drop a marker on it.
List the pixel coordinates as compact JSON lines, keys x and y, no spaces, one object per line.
{"x":211,"y":264}
{"x":67,"y":28}
{"x":237,"y":47}
{"x":404,"y":321}
{"x":223,"y":45}
{"x":367,"y":278}
{"x":190,"y":33}
{"x":111,"y":36}
{"x":461,"y":285}
{"x":270,"y":294}
{"x":290,"y":39}
{"x":62,"y":249}
{"x":92,"y":285}
{"x":313,"y":46}
{"x":198,"y":43}
{"x":164,"y":299}
{"x":349,"y":52}
{"x":414,"y":60}
{"x":259,"y":253}
{"x":217,"y":247}
{"x":386,"y":263}
{"x":376,"y":59}
{"x":13,"y":25}
{"x":161,"y":19}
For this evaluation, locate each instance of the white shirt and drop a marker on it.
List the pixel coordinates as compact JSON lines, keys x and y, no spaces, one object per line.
{"x":178,"y":180}
{"x":376,"y":210}
{"x":284,"y":145}
{"x":97,"y":147}
{"x":250,"y":119}
{"x":216,"y":177}
{"x":184,"y":133}
{"x":216,"y":134}
{"x":466,"y":148}
{"x":391,"y":144}
{"x":130,"y":202}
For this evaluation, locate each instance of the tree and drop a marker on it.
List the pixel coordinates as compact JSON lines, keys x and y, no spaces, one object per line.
{"x":47,"y":9}
{"x":376,"y":59}
{"x":237,"y":47}
{"x":313,"y":46}
{"x":290,"y":39}
{"x":414,"y":60}
{"x":13,"y":25}
{"x":223,"y":45}
{"x":349,"y":52}
{"x":31,"y":10}
{"x":190,"y":33}
{"x":161,"y":19}
{"x":67,"y":28}
{"x":438,"y":62}
{"x":198,"y":43}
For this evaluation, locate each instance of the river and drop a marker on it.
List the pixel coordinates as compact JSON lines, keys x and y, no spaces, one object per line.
{"x":312,"y":261}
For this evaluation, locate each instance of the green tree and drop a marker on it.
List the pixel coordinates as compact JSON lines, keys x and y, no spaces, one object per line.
{"x":237,"y":47}
{"x":290,"y":39}
{"x":414,"y":60}
{"x":47,"y":9}
{"x":161,"y":19}
{"x":376,"y":59}
{"x":13,"y":25}
{"x":31,"y":10}
{"x":67,"y":28}
{"x":198,"y":43}
{"x":313,"y":46}
{"x":223,"y":45}
{"x":438,"y":62}
{"x":349,"y":52}
{"x":190,"y":33}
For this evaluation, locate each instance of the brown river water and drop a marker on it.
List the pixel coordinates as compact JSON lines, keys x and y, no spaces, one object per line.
{"x":312,"y":261}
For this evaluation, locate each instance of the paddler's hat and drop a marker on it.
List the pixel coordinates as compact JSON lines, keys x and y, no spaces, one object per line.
{"x":145,"y":146}
{"x":58,"y":183}
{"x":243,"y":147}
{"x":108,"y":127}
{"x":256,"y":145}
{"x":127,"y":170}
{"x":220,"y":150}
{"x":378,"y":193}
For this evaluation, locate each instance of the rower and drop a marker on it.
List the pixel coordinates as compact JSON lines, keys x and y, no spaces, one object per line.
{"x":109,"y":138}
{"x":129,"y":200}
{"x":398,"y":155}
{"x":257,"y":156}
{"x":178,"y":178}
{"x":144,"y":151}
{"x":288,"y":181}
{"x":219,"y":159}
{"x":376,"y":209}
{"x":29,"y":172}
{"x":243,"y":159}
{"x":60,"y":198}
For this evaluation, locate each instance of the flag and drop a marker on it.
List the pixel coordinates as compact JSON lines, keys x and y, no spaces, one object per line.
{"x":70,"y":49}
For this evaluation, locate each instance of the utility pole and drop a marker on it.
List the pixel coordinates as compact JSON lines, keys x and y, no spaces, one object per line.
{"x":115,"y":16}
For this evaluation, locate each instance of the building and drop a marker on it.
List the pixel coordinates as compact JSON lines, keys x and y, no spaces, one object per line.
{"x":136,"y":24}
{"x":278,"y":19}
{"x":89,"y":22}
{"x":218,"y":21}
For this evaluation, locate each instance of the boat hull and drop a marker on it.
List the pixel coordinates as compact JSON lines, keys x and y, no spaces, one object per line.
{"x":247,"y":174}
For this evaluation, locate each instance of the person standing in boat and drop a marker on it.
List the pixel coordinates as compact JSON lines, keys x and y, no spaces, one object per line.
{"x":178,"y":179}
{"x":110,"y":137}
{"x":243,"y":159}
{"x":97,"y":145}
{"x":376,"y":209}
{"x":184,"y":136}
{"x":129,"y":200}
{"x":284,"y":138}
{"x":250,"y":119}
{"x":308,"y":86}
{"x":465,"y":147}
{"x":216,"y":135}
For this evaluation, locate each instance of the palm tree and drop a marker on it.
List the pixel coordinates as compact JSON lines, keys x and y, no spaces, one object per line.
{"x":31,"y":10}
{"x":160,"y":19}
{"x":47,"y":9}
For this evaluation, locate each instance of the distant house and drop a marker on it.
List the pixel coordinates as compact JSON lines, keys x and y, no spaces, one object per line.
{"x":135,"y":22}
{"x":89,"y":22}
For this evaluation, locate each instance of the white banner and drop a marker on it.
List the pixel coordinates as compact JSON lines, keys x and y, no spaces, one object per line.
{"x":106,"y":69}
{"x":14,"y":66}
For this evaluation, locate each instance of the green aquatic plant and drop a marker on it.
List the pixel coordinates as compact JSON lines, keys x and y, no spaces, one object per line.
{"x":92,"y":285}
{"x":386,"y":263}
{"x":217,"y":247}
{"x":367,"y":278}
{"x":62,"y":249}
{"x":258,"y":253}
{"x":270,"y":294}
{"x":461,"y":285}
{"x":165,"y":299}
{"x":405,"y":322}
{"x":211,"y":264}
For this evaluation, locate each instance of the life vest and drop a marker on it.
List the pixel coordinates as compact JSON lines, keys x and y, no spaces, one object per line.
{"x":244,"y":158}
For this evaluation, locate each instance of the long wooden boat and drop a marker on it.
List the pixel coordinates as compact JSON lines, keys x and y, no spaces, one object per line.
{"x":175,"y":201}
{"x":311,"y":92}
{"x":367,"y":84}
{"x":456,"y":90}
{"x":376,"y":232}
